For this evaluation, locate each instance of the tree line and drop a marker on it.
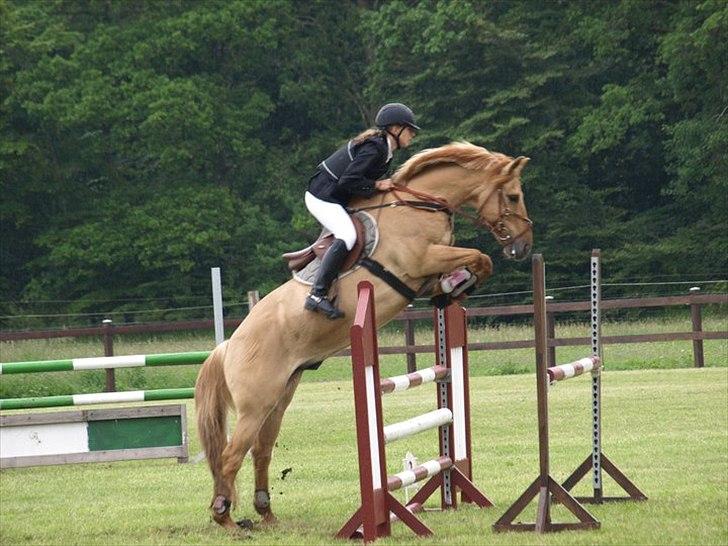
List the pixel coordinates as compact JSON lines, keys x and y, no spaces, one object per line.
{"x":144,"y":142}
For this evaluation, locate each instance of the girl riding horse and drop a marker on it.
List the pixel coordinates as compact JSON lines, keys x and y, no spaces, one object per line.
{"x":257,"y":370}
{"x":353,"y":170}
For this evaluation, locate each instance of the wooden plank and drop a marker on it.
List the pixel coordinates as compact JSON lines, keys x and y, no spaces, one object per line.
{"x":558,"y":342}
{"x":501,"y":345}
{"x":179,"y":452}
{"x":98,"y":331}
{"x":501,"y":310}
{"x":135,"y":412}
{"x":48,"y":334}
{"x":77,"y":416}
{"x":74,"y":416}
{"x":640,"y":338}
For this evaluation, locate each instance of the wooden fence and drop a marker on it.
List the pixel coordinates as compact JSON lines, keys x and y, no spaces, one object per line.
{"x":694,"y":301}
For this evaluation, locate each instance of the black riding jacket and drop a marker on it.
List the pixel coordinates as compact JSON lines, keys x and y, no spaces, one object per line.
{"x":367,"y":163}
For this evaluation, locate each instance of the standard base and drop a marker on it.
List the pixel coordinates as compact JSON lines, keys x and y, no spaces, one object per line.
{"x":545,"y":489}
{"x":374,"y":524}
{"x":633,"y":492}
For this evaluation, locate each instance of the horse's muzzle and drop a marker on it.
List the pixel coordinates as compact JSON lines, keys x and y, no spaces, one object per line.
{"x":517,"y":250}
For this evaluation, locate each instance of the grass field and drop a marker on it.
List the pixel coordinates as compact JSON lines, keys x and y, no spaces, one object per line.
{"x":666,"y":429}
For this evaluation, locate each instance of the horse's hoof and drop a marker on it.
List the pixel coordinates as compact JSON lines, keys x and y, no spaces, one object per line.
{"x":220,"y":508}
{"x":220,"y":505}
{"x":261,"y":502}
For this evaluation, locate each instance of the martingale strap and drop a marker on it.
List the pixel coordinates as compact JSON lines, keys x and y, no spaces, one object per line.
{"x":387,"y":276}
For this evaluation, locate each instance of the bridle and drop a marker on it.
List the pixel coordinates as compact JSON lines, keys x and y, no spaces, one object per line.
{"x":498,"y":227}
{"x":433,"y":203}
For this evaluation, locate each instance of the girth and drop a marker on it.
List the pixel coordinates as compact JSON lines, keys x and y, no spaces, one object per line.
{"x":377,"y":269}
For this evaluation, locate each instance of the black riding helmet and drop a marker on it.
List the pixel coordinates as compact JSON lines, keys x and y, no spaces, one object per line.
{"x":395,"y":113}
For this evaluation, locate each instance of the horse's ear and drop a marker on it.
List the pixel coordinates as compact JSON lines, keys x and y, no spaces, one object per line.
{"x":515,"y":167}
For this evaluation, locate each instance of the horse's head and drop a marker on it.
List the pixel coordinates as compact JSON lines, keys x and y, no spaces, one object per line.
{"x":502,"y":210}
{"x":490,"y":182}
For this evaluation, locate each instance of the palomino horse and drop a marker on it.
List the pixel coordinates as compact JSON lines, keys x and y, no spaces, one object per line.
{"x":257,"y":370}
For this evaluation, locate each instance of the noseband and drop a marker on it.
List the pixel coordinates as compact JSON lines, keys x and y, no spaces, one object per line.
{"x":498,"y":228}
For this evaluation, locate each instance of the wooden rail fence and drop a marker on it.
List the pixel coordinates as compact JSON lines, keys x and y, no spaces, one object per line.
{"x":694,"y":301}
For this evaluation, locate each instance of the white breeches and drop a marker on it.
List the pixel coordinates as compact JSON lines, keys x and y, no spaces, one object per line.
{"x":333,"y":217}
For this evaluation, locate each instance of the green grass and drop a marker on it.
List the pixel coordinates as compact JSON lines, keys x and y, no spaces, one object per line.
{"x":667,"y":430}
{"x":663,"y":355}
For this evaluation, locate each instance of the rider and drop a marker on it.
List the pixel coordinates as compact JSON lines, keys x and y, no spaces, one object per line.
{"x":353,"y":170}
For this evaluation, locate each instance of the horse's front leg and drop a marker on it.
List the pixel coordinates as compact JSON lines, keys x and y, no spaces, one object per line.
{"x":439,"y":259}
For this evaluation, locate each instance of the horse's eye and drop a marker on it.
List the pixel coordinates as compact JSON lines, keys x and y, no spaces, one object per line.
{"x":513,"y":198}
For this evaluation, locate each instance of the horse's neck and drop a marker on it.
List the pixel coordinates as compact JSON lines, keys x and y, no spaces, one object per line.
{"x":452,"y":182}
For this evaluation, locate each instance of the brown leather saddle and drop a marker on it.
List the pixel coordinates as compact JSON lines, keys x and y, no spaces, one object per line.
{"x":299,"y":259}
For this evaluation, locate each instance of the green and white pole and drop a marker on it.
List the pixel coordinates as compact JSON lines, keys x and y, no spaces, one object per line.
{"x":96,"y":398}
{"x":102,"y":362}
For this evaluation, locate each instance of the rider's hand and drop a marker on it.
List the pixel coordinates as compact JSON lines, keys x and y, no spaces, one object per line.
{"x":384,"y":185}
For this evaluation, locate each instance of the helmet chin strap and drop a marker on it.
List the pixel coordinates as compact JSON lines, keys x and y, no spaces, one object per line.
{"x":396,"y":137}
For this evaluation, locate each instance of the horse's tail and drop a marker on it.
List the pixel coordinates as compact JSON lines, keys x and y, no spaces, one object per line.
{"x":212,"y":398}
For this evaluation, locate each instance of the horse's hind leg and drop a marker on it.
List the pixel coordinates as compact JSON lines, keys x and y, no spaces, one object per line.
{"x":263,"y":448}
{"x":249,"y":420}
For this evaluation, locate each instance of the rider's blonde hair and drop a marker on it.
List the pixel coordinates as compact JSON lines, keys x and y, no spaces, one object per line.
{"x":361,"y":137}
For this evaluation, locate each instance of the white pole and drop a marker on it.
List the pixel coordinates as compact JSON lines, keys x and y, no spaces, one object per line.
{"x":219,"y":328}
{"x":426,"y":421}
{"x":217,"y":305}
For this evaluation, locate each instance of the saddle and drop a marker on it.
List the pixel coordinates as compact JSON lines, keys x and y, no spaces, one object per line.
{"x":299,"y":259}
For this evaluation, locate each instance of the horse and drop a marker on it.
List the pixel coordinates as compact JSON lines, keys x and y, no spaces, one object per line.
{"x":256,"y":371}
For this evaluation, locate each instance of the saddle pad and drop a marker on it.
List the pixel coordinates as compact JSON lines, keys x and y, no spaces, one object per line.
{"x":307,"y":275}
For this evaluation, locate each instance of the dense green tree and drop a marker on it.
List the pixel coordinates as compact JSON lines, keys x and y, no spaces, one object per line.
{"x":144,"y":142}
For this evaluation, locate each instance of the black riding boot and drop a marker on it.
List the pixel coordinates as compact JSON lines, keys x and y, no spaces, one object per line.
{"x":330,"y":264}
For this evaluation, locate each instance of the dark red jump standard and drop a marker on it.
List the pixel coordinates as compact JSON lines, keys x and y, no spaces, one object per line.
{"x":452,"y":470}
{"x":544,"y":486}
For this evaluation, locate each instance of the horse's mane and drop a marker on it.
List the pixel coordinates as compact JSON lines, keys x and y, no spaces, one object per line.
{"x":463,"y":153}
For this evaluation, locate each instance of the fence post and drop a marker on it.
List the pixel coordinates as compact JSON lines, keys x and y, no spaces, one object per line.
{"x":409,"y":340}
{"x":217,"y":310}
{"x":253,"y":298}
{"x":697,"y":320}
{"x":108,"y":337}
{"x":550,"y":334}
